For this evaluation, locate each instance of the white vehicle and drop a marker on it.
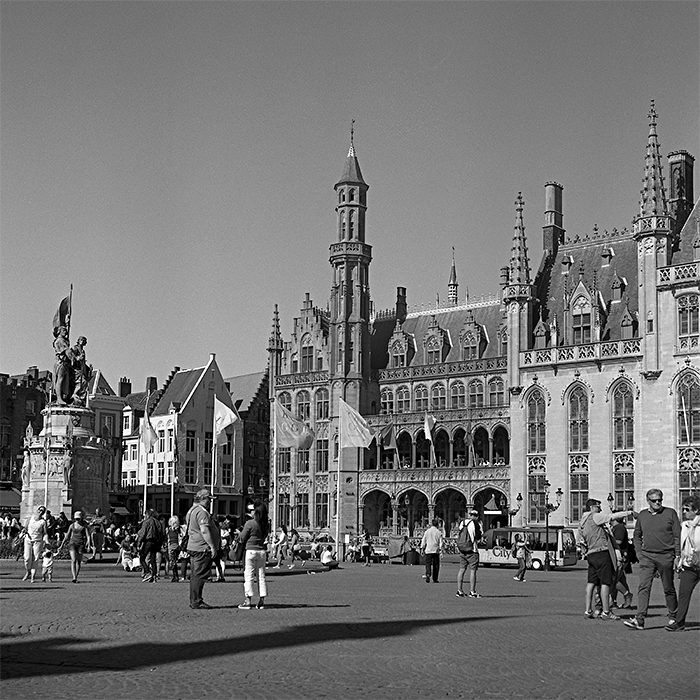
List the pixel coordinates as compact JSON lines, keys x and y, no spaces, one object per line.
{"x":496,"y":545}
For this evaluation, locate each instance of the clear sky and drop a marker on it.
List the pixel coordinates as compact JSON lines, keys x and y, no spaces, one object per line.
{"x":175,"y":161}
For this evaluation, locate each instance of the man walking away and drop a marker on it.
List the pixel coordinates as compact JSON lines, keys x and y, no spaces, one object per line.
{"x":657,"y":539}
{"x":149,"y":541}
{"x":600,"y":552}
{"x":467,"y":539}
{"x":431,"y":548}
{"x":203,"y":544}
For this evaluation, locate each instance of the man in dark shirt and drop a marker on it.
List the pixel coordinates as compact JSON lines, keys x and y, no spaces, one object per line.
{"x":149,"y":540}
{"x":657,"y":539}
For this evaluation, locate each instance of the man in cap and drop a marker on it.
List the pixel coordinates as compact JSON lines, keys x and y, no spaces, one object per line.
{"x":600,"y":553}
{"x":657,"y":539}
{"x":203,"y":544}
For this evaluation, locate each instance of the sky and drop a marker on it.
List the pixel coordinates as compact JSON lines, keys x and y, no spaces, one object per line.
{"x":175,"y":161}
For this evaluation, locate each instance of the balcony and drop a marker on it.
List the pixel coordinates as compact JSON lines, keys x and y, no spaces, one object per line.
{"x":615,"y":349}
{"x":445,"y":369}
{"x":677,"y":274}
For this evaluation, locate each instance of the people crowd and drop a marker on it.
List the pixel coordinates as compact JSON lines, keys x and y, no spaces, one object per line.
{"x":199,"y":546}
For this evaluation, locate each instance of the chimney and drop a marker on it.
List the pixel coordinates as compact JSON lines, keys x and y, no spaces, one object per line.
{"x":401,"y":306}
{"x":680,"y":201}
{"x":553,"y":231}
{"x":151,"y":384}
{"x":33,"y":372}
{"x":124,"y":387}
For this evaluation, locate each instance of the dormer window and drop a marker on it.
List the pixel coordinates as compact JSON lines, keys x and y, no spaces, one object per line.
{"x":307,"y":356}
{"x":433,"y":352}
{"x":607,"y":255}
{"x":398,"y":356}
{"x":581,"y":321}
{"x":566,"y":262}
{"x":470,"y":347}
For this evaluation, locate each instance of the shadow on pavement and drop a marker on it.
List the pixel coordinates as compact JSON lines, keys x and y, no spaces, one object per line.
{"x":26,"y":658}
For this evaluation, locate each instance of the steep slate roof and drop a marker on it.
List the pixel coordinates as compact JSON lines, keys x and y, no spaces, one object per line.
{"x":551,"y":284}
{"x":103,"y":388}
{"x":351,"y":169}
{"x":690,"y":231}
{"x":449,"y":319}
{"x":178,"y":389}
{"x":244,"y":389}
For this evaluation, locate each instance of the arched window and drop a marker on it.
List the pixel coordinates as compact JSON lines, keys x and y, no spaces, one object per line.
{"x":341,"y":195}
{"x":470,"y":347}
{"x":403,"y":400}
{"x":307,"y":355}
{"x":476,"y":394}
{"x":432,"y":352}
{"x":322,"y":404}
{"x":581,"y":321}
{"x":303,"y":405}
{"x":421,"y":400}
{"x":536,"y":426}
{"x":286,"y":400}
{"x":458,"y":395}
{"x":688,"y":323}
{"x":623,"y":417}
{"x":578,"y":420}
{"x":438,"y":397}
{"x":688,"y":421}
{"x":351,"y":224}
{"x":387,"y":397}
{"x":496,"y":392}
{"x":398,"y":356}
{"x":342,"y":225}
{"x":351,"y":195}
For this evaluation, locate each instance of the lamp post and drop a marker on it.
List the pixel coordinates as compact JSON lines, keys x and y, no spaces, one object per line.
{"x":611,"y":501}
{"x":549,"y":508}
{"x":511,"y":511}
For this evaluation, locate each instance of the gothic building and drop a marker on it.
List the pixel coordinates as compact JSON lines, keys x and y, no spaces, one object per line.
{"x":582,"y":377}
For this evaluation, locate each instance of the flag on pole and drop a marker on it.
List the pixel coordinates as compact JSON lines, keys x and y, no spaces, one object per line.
{"x":388,"y":438}
{"x":354,"y":429}
{"x":148,"y":434}
{"x":428,"y":424}
{"x":291,"y":431}
{"x":223,"y":417}
{"x":62,"y":315}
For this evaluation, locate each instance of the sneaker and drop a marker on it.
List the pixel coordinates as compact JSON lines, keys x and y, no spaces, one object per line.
{"x":461,"y":594}
{"x":628,"y":600}
{"x":635,"y":623}
{"x":673,"y":626}
{"x":244,"y":606}
{"x":515,"y":578}
{"x":261,"y":604}
{"x":589,"y":615}
{"x":474,"y":594}
{"x":609,"y":616}
{"x":427,"y":579}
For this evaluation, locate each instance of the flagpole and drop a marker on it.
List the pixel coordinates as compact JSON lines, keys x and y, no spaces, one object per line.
{"x":337,"y":488}
{"x":70,"y":306}
{"x":145,"y":453}
{"x":213,"y":455}
{"x":275,"y":490}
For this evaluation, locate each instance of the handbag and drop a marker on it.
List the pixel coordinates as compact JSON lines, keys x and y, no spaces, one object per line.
{"x":236,"y":552}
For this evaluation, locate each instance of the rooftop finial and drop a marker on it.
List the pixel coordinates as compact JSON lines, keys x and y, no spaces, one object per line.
{"x":519,"y":262}
{"x":653,"y":194}
{"x":652,"y":114}
{"x":351,"y":152}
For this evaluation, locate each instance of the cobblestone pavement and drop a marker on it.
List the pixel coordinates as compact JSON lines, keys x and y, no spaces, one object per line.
{"x":358,"y":632}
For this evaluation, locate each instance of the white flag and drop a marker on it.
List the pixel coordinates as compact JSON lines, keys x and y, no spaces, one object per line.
{"x":223,"y":417}
{"x":148,"y":434}
{"x":428,"y":424}
{"x":354,"y":429}
{"x":291,"y":431}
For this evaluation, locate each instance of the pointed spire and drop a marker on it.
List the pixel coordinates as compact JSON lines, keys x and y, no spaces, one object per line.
{"x":519,"y":262}
{"x":275,"y":340}
{"x":653,"y":193}
{"x":452,"y":285}
{"x":351,"y":169}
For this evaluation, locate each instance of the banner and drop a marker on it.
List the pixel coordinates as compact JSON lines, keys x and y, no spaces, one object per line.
{"x":148,"y":434}
{"x":62,"y":315}
{"x":428,"y":424}
{"x":388,"y":437}
{"x":354,"y":429}
{"x":223,"y":417}
{"x":291,"y":431}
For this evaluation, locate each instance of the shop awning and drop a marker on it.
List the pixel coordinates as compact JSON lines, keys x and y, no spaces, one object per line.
{"x":10,"y":498}
{"x":120,"y":510}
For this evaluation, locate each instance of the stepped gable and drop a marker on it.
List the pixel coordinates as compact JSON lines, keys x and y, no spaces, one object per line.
{"x":177,"y":389}
{"x":690,"y":233}
{"x":245,"y":388}
{"x":590,"y":255}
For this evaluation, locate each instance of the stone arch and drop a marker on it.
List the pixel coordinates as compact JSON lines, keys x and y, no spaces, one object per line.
{"x":488,"y":501}
{"x":450,"y":507}
{"x":404,"y":448}
{"x":501,"y":445}
{"x":480,"y":441}
{"x":413,"y":510}
{"x":376,"y":511}
{"x":442,"y":447}
{"x":460,"y":450}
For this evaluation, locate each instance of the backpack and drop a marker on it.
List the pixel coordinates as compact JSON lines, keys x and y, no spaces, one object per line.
{"x":514,"y":551}
{"x":464,"y":543}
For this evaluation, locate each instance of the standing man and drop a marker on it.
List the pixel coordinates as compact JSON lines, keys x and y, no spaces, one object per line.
{"x":657,"y":539}
{"x":431,"y":548}
{"x":467,"y":539}
{"x":149,"y":541}
{"x":600,"y":552}
{"x":202,"y":546}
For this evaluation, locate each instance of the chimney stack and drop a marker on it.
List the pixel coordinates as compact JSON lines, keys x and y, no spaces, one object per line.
{"x":124,"y":387}
{"x":401,"y":306}
{"x":151,"y":384}
{"x":553,"y":230}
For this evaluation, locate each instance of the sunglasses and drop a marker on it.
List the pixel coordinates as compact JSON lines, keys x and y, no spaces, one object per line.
{"x":655,"y":500}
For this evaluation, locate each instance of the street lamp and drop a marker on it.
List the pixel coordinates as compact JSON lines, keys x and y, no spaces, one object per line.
{"x":549,"y":508}
{"x":511,"y":511}
{"x":611,"y":500}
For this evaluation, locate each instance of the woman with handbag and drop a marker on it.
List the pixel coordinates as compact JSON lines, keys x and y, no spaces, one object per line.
{"x":253,"y":538}
{"x":36,"y":534}
{"x":689,"y":565}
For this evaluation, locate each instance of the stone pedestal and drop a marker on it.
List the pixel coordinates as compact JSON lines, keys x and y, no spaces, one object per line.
{"x":68,"y":464}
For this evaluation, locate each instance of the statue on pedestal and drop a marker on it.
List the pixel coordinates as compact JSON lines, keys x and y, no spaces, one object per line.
{"x":61,"y":372}
{"x":26,"y":468}
{"x":80,"y":372}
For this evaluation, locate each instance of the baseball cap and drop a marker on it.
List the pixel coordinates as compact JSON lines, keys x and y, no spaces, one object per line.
{"x":592,"y":502}
{"x":77,"y":514}
{"x":203,"y":493}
